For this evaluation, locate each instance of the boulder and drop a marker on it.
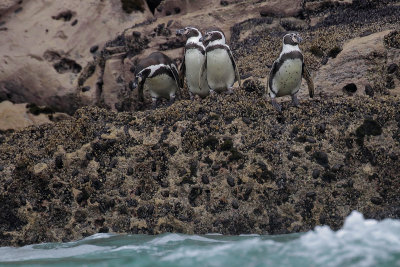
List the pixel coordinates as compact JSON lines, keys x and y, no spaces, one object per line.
{"x":363,"y":61}
{"x":17,"y":116}
{"x":41,"y":60}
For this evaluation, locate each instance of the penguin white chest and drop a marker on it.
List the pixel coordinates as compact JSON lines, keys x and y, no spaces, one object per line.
{"x":287,"y":79}
{"x":220,"y":71}
{"x":161,"y":85}
{"x":194,"y":60}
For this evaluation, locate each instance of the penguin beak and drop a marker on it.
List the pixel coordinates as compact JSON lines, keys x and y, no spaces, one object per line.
{"x":180,"y":32}
{"x":205,"y":39}
{"x":135,"y":82}
{"x":299,"y":39}
{"x":133,"y":85}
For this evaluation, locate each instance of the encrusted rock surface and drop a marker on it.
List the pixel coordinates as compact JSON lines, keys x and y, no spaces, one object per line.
{"x":227,"y":164}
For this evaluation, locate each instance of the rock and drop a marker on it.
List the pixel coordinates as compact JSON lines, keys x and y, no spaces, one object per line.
{"x":359,"y":55}
{"x":17,"y":116}
{"x":94,"y":48}
{"x":7,"y":5}
{"x":321,"y":158}
{"x":148,"y":171}
{"x":350,"y":88}
{"x":369,"y":127}
{"x":230,"y":181}
{"x":235,"y":204}
{"x":316,"y":173}
{"x":204,"y":179}
{"x":283,"y":8}
{"x":392,"y":68}
{"x":369,"y":90}
{"x":55,"y":84}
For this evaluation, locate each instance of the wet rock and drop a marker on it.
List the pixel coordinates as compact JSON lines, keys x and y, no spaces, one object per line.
{"x":321,"y":158}
{"x":392,"y":68}
{"x":369,"y":127}
{"x":145,"y":211}
{"x":235,"y":204}
{"x":377,"y":200}
{"x":194,"y":193}
{"x":336,"y":167}
{"x":350,"y":88}
{"x":131,"y":5}
{"x":252,"y":85}
{"x":230,"y":181}
{"x":204,"y":179}
{"x":369,"y":90}
{"x":224,"y":3}
{"x":94,"y":49}
{"x":59,"y":162}
{"x":334,"y":52}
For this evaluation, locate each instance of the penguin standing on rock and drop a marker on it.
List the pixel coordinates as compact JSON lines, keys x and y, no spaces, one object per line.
{"x":287,"y":71}
{"x":220,"y":65}
{"x":158,"y":75}
{"x":193,"y":59}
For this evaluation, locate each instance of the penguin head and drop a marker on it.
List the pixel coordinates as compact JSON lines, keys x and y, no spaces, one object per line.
{"x":140,"y":77}
{"x":189,"y":32}
{"x":292,"y":39}
{"x":214,"y":37}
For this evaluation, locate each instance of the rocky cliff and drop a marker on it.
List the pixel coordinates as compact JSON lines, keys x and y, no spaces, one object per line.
{"x":227,"y":164}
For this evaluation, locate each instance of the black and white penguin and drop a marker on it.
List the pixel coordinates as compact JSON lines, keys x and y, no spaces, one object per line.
{"x":194,"y":56}
{"x":287,"y":71}
{"x":158,"y":75}
{"x":220,"y":65}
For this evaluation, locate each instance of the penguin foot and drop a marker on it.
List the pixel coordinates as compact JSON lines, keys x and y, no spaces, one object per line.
{"x":171,"y":100}
{"x":276,"y":105}
{"x":295,"y":101}
{"x":154,"y":102}
{"x":191,"y":96}
{"x":229,"y":91}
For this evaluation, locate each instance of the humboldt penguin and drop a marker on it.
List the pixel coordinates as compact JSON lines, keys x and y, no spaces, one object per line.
{"x":287,"y":71}
{"x":194,"y":56}
{"x":220,"y":65}
{"x":158,"y":75}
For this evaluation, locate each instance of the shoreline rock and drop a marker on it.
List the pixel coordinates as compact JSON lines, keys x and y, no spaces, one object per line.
{"x":228,"y":164}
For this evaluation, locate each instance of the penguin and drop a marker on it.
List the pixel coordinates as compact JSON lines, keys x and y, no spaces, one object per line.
{"x":287,"y":71}
{"x":158,"y":75}
{"x":220,"y":65}
{"x":194,"y":56}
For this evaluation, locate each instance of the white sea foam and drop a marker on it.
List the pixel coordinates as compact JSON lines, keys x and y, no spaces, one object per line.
{"x":29,"y":253}
{"x":360,"y":242}
{"x":99,"y":236}
{"x":179,"y":238}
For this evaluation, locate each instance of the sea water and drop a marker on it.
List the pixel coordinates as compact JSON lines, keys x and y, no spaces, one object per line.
{"x":360,"y":242}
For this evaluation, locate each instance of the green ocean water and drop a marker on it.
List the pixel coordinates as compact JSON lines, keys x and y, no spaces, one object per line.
{"x":360,"y":242}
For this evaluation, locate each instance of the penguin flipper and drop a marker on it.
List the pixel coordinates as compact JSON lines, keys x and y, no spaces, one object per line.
{"x":202,"y":70}
{"x":174,"y":71}
{"x":237,"y":76}
{"x":272,"y":72}
{"x":308,"y":78}
{"x":182,"y":70}
{"x":140,"y":90}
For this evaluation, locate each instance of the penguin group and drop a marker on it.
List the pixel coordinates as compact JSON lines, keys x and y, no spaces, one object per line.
{"x":209,"y":67}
